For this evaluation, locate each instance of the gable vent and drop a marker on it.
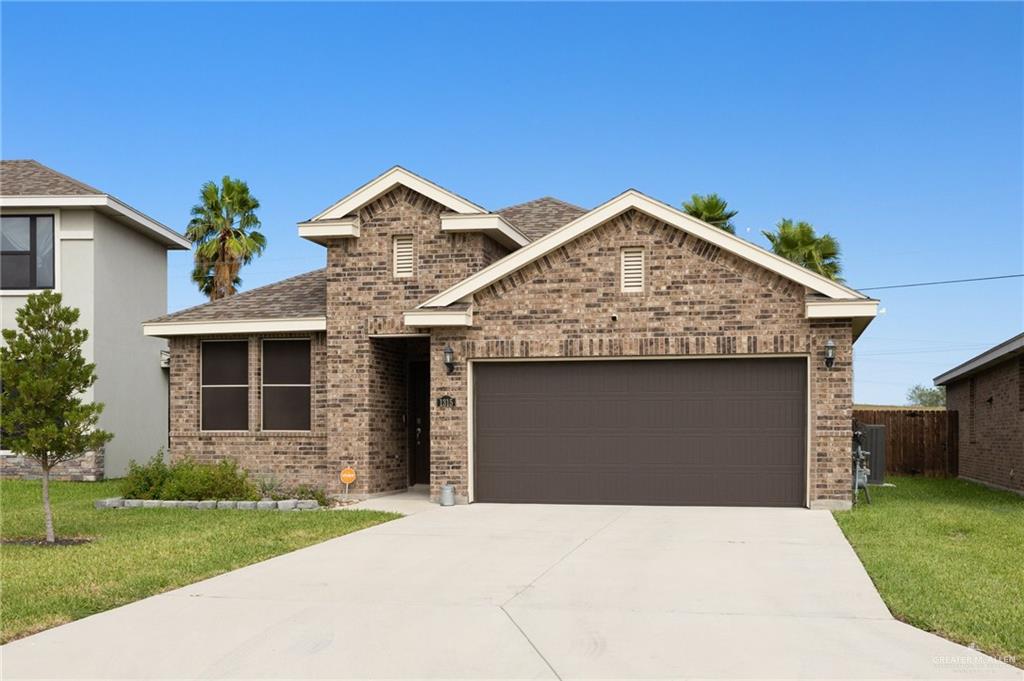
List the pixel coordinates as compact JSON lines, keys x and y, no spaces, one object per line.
{"x":632,"y":269}
{"x":403,"y":256}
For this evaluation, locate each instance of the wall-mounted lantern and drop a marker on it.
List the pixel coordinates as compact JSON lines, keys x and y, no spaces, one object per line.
{"x":830,"y":353}
{"x":449,"y":358}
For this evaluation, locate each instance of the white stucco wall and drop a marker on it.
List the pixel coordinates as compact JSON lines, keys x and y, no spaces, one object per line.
{"x":117,"y":278}
{"x":74,"y":271}
{"x":130,"y":287}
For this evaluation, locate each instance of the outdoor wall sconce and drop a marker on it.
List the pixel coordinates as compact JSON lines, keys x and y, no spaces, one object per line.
{"x":449,"y":358}
{"x":830,"y":353}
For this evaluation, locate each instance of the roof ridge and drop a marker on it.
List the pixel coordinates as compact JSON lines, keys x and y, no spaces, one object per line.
{"x":242,"y":294}
{"x":83,"y":185}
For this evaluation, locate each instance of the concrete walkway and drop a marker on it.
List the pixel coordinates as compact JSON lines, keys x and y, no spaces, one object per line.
{"x":502,"y":591}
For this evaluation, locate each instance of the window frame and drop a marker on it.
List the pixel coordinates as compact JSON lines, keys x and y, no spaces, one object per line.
{"x":247,"y":386}
{"x":264,"y":384}
{"x":54,"y":215}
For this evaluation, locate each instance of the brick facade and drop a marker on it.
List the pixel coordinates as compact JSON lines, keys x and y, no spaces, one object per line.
{"x":290,"y":458}
{"x":991,"y":417}
{"x":699,"y":301}
{"x":86,"y":468}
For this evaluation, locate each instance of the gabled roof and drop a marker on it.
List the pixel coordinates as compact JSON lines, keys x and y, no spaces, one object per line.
{"x":29,"y":184}
{"x":541,"y":216}
{"x":387,"y":181}
{"x":302,"y":298}
{"x":1000,"y":353}
{"x":634,"y":200}
{"x":27,"y":177}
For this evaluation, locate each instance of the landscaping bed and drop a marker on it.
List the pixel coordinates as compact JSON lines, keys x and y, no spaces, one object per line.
{"x":946,"y":556}
{"x":131,"y":555}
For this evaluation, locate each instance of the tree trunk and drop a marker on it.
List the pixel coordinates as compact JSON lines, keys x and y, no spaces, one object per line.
{"x":47,"y":512}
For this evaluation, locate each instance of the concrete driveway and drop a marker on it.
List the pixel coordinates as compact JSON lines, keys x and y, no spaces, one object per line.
{"x":502,"y":591}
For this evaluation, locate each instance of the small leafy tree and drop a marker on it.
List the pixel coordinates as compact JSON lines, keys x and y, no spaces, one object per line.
{"x":712,"y":209}
{"x":923,"y":396}
{"x":798,"y":242}
{"x":45,"y":374}
{"x":224,"y":232}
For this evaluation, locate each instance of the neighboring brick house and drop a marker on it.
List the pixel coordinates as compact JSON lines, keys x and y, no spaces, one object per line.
{"x":540,"y":353}
{"x":109,"y":261}
{"x":988,"y":394}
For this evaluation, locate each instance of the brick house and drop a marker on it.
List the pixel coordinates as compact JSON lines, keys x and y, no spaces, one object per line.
{"x":539,"y":353}
{"x":987,"y":391}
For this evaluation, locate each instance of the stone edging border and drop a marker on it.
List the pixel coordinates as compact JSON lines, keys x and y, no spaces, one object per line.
{"x":283,"y":505}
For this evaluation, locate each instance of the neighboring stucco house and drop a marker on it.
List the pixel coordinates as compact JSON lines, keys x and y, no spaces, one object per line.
{"x":540,"y":353}
{"x":988,"y":393}
{"x":110,"y":261}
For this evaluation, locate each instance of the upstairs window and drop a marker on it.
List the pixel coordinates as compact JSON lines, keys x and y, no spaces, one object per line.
{"x":632,"y":269}
{"x":26,"y":252}
{"x":286,"y":384}
{"x":225,"y":385}
{"x":403,"y":258}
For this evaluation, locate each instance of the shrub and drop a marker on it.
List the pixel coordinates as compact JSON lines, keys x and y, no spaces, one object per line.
{"x":145,"y":481}
{"x":188,"y":479}
{"x":310,"y":492}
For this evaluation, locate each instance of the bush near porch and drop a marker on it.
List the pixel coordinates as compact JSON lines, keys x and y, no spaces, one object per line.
{"x":133,"y":553}
{"x":946,"y":556}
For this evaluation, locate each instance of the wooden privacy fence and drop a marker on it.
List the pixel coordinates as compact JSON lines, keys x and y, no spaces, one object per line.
{"x":917,"y":441}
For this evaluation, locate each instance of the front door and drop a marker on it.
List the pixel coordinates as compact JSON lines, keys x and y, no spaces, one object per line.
{"x":419,"y":423}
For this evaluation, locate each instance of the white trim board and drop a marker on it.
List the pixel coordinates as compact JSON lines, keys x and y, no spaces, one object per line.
{"x":432,"y":318}
{"x":107,"y":204}
{"x":990,"y":356}
{"x":628,"y":200}
{"x":320,"y":232}
{"x":233,"y":326}
{"x":491,"y":224}
{"x":387,"y":181}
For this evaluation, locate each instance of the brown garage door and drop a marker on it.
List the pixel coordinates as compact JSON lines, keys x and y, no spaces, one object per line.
{"x":725,"y":432}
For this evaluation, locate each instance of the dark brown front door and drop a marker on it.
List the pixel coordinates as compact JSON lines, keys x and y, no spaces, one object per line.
{"x":419,"y":423}
{"x":721,"y":432}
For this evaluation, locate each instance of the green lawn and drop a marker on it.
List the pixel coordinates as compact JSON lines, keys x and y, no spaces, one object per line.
{"x":135,"y":552}
{"x":948,"y":557}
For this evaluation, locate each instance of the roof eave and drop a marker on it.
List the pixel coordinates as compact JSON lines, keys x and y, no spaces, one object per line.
{"x":990,"y":357}
{"x":171,"y":328}
{"x":108,"y":205}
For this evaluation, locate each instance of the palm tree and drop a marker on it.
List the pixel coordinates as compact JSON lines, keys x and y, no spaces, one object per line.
{"x":798,"y":242}
{"x":712,"y":209}
{"x":223,"y":232}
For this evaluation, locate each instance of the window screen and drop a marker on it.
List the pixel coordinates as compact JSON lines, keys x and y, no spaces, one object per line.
{"x":225,"y":385}
{"x":286,"y":384}
{"x":26,"y":252}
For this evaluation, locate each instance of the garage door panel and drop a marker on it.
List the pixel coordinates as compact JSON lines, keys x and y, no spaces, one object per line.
{"x":705,"y":432}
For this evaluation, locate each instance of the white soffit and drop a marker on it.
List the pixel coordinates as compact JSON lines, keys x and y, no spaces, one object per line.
{"x":230,"y":326}
{"x":382,"y":184}
{"x":320,"y":232}
{"x":432,"y":318}
{"x":109,"y":205}
{"x":818,"y":309}
{"x":633,"y":199}
{"x":491,"y":224}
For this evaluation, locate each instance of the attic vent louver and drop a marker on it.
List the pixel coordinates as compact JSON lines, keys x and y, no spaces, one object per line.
{"x":632,"y":269}
{"x":403,"y":256}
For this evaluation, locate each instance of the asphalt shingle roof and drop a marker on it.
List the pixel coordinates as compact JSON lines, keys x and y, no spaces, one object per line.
{"x":541,"y":216}
{"x":298,"y":297}
{"x":32,"y":178}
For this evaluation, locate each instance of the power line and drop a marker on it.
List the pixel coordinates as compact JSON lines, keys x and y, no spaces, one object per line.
{"x":936,"y":283}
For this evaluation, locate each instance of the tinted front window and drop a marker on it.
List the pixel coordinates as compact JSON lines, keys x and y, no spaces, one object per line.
{"x":26,"y":252}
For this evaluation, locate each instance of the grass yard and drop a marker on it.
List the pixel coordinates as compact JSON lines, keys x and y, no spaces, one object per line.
{"x":948,"y":557}
{"x":135,"y":552}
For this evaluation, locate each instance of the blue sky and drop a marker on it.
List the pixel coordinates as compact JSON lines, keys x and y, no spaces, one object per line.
{"x":896,"y":127}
